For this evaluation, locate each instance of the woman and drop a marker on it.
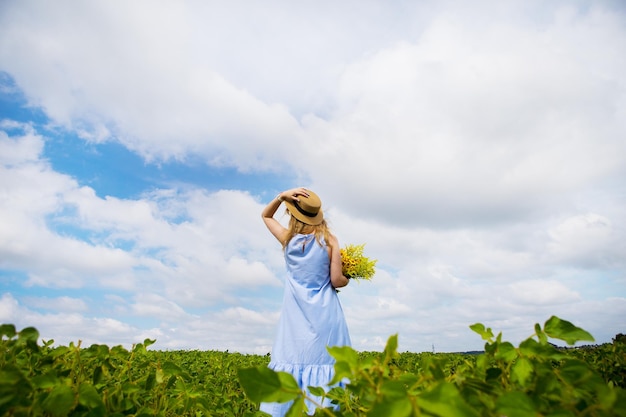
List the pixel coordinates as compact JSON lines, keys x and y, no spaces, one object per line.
{"x":311,"y":317}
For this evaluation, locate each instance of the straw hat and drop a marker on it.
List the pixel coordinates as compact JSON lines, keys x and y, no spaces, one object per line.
{"x":308,"y":210}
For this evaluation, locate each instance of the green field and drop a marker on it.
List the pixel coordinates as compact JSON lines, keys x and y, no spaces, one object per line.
{"x":532,"y":379}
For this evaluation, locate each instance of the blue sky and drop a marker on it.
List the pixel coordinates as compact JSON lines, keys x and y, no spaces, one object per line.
{"x":479,"y":151}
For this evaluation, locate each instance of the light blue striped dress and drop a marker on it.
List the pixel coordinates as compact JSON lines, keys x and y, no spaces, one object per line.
{"x":311,"y":319}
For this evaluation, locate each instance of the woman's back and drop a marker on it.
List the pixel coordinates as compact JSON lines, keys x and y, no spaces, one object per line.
{"x":312,"y":317}
{"x":307,"y":261}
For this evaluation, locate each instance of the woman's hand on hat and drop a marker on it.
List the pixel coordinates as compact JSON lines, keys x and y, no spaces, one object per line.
{"x":294,"y":193}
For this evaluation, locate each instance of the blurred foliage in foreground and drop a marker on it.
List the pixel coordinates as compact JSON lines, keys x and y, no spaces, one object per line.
{"x":534,"y":379}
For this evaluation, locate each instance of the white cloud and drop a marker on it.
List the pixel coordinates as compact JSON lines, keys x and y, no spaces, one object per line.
{"x":158,"y":307}
{"x":39,"y":203}
{"x":547,"y":293}
{"x":476,"y":124}
{"x":61,"y":304}
{"x":587,"y":240}
{"x":32,"y":193}
{"x":24,"y":149}
{"x":8,"y":308}
{"x":66,"y":327}
{"x":141,"y":84}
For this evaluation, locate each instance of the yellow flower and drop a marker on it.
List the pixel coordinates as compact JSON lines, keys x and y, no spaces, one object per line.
{"x":355,"y":264}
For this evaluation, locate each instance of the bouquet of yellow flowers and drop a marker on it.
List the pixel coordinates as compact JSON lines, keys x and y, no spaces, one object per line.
{"x":355,"y":265}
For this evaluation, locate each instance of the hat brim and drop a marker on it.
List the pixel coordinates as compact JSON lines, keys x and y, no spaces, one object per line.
{"x":310,"y":220}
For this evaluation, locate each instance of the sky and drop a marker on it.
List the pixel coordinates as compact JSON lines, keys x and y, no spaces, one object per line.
{"x":478,"y":149}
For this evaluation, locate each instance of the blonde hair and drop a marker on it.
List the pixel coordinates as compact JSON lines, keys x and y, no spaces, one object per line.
{"x":296,"y":226}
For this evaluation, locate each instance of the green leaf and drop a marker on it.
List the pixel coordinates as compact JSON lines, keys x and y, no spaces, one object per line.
{"x":316,"y":391}
{"x":515,"y":404}
{"x":342,"y":370}
{"x":150,"y":381}
{"x":99,"y":351}
{"x":408,"y":379}
{"x":478,"y":385}
{"x":533,"y":349}
{"x":444,"y":400}
{"x":344,"y":354}
{"x":288,"y":382}
{"x":492,"y":374}
{"x":576,"y":372}
{"x":619,"y":406}
{"x":15,"y":389}
{"x":391,"y":348}
{"x":262,"y":384}
{"x":485,"y":333}
{"x":59,"y":351}
{"x":45,"y":381}
{"x":98,"y":374}
{"x":159,"y":376}
{"x":506,"y":351}
{"x":60,"y":401}
{"x":396,"y":407}
{"x":170,"y":368}
{"x":543,"y":339}
{"x":28,"y":334}
{"x":139,"y":348}
{"x":346,"y":362}
{"x":130,"y":388}
{"x":436,"y":369}
{"x":7,"y":330}
{"x":171,"y":382}
{"x":11,"y":375}
{"x":564,"y":330}
{"x":522,"y":371}
{"x":297,"y":408}
{"x":393,"y":389}
{"x":88,"y":396}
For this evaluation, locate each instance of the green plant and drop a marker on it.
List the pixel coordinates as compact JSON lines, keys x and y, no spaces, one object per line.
{"x":101,"y":381}
{"x":533,"y":379}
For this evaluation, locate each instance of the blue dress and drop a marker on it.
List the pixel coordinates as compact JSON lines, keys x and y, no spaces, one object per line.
{"x":311,"y":319}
